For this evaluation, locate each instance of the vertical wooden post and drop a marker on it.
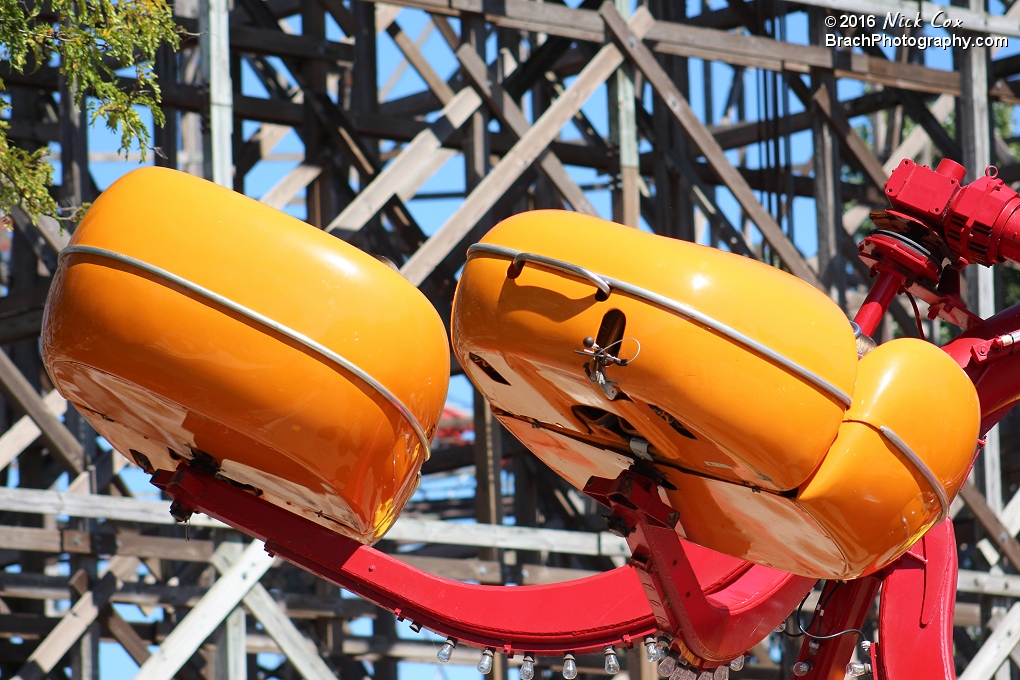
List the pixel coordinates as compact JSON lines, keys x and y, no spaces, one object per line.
{"x":319,"y":194}
{"x":74,"y":147}
{"x":674,"y":209}
{"x":231,"y":656}
{"x":476,"y":141}
{"x":827,"y":166}
{"x":623,"y":133}
{"x":214,"y":27}
{"x":489,"y":490}
{"x":165,"y":136}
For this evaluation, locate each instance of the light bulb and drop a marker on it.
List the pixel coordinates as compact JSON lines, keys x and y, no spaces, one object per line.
{"x":446,"y":651}
{"x":528,"y":667}
{"x":856,"y":669}
{"x":802,"y":668}
{"x":569,"y":667}
{"x":612,"y":662}
{"x":737,"y":664}
{"x":721,"y":673}
{"x":705,"y":676}
{"x":652,"y":650}
{"x":666,"y":667}
{"x":485,"y":663}
{"x":688,"y":674}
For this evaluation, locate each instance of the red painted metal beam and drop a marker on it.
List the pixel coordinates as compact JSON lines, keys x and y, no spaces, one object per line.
{"x":576,"y":616}
{"x":716,"y":620}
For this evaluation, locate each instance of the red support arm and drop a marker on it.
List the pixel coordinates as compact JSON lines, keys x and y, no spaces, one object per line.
{"x":716,"y":621}
{"x":915,"y":621}
{"x":576,"y":616}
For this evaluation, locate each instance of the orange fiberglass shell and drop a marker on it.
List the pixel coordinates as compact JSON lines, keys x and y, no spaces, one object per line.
{"x":190,"y":323}
{"x":737,"y":386}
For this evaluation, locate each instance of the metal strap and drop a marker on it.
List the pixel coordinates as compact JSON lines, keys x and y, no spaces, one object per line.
{"x":679,"y":308}
{"x":264,"y":321}
{"x":521,"y":258}
{"x":919,"y":465}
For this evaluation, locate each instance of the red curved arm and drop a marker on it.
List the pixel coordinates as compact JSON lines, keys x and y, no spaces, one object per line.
{"x":576,"y":616}
{"x":995,"y":379}
{"x":717,"y":621}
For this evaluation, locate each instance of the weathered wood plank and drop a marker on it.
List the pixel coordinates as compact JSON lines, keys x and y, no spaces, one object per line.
{"x":411,"y":158}
{"x":405,"y":529}
{"x":277,"y":43}
{"x":997,"y":533}
{"x":24,"y":431}
{"x":298,"y":649}
{"x":518,"y":159}
{"x":222,"y":598}
{"x":72,"y":625}
{"x":851,"y":140}
{"x":644,"y":60}
{"x":280,"y":194}
{"x":19,"y":392}
{"x":502,"y":104}
{"x":996,"y":649}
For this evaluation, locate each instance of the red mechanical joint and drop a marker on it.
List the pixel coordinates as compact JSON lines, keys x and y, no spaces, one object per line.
{"x":997,"y":347}
{"x":923,"y":192}
{"x":983,"y":221}
{"x":979,"y":222}
{"x":709,"y":627}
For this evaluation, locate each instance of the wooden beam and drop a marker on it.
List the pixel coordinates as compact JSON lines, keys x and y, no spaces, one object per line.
{"x":270,"y":42}
{"x":866,"y":160}
{"x":660,"y":81}
{"x":517,"y":160}
{"x":504,"y":107}
{"x":281,"y":193}
{"x":102,"y":543}
{"x":45,"y":502}
{"x":132,"y":643}
{"x":20,"y":393}
{"x":298,"y":649}
{"x":75,"y":622}
{"x":416,"y":59}
{"x":46,"y":236}
{"x":416,"y":154}
{"x":24,"y":431}
{"x":231,"y":655}
{"x":404,"y":529}
{"x":984,"y":583}
{"x":996,"y":649}
{"x":21,"y":314}
{"x":997,"y":533}
{"x":342,"y":16}
{"x":185,"y":639}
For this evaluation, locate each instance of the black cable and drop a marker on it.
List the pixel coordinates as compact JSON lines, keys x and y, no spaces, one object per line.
{"x":804,"y":631}
{"x":917,"y":316}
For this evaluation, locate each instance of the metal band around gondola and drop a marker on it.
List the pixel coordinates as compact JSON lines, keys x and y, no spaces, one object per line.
{"x":519,"y":258}
{"x":264,"y":321}
{"x":919,"y":465}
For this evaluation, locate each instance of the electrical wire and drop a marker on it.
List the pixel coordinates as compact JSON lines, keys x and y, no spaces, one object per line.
{"x":917,"y":316}
{"x":820,"y":608}
{"x":602,"y":352}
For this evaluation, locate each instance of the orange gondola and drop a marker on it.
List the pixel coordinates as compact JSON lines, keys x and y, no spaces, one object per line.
{"x":189,"y":323}
{"x":735,"y":385}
